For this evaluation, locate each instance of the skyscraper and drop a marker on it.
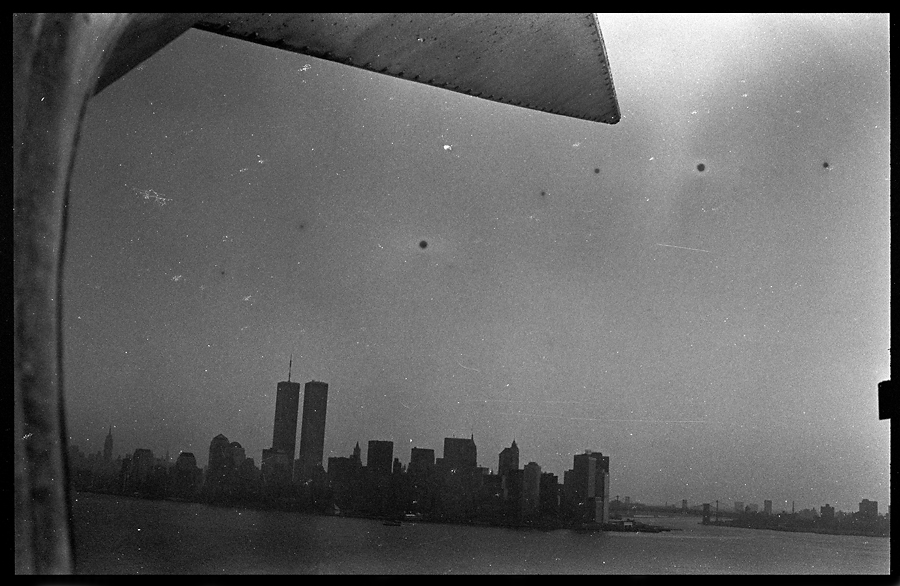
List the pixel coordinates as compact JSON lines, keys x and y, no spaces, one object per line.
{"x":590,"y":485}
{"x":460,"y":453}
{"x":278,"y":461}
{"x":380,"y":456}
{"x":284,"y":432}
{"x":531,"y":487}
{"x":312,"y":432}
{"x":108,"y":446}
{"x":509,"y":459}
{"x":584,"y":477}
{"x":421,"y":461}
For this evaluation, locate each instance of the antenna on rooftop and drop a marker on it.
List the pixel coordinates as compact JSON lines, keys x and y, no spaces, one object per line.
{"x":290,"y":364}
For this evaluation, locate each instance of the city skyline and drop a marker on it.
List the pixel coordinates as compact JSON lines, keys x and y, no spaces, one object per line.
{"x":701,"y":290}
{"x":508,"y":459}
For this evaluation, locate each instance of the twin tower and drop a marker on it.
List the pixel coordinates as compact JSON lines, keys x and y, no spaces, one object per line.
{"x":278,"y":464}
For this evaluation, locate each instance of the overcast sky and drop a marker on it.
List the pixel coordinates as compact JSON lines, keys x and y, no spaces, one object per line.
{"x":719,"y":334}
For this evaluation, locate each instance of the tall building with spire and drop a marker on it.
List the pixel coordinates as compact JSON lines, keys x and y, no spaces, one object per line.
{"x":108,"y":446}
{"x":312,"y":432}
{"x":277,"y":462}
{"x":509,"y":459}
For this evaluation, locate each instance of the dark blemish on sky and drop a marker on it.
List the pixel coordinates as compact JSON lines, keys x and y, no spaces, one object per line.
{"x":301,"y":225}
{"x":596,"y":169}
{"x":423,"y":244}
{"x":825,"y":165}
{"x":543,"y":193}
{"x":222,"y":273}
{"x":701,"y":167}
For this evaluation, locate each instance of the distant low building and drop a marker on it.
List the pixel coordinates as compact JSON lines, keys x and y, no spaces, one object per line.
{"x":141,"y":468}
{"x":868,"y":509}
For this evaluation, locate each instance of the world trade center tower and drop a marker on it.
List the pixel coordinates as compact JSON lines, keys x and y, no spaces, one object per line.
{"x":312,"y":432}
{"x":284,"y":434}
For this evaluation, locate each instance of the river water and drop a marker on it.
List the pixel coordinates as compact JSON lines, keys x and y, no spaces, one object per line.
{"x":120,"y":535}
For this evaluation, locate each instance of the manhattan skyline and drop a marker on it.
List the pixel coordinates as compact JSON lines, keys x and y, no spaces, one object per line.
{"x":720,"y":332}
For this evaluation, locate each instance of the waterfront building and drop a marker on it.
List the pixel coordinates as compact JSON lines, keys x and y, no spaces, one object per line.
{"x":460,"y":453}
{"x":868,"y":509}
{"x":108,"y":447}
{"x":513,"y":484}
{"x":767,"y":507}
{"x":549,"y":494}
{"x":278,"y":461}
{"x":218,"y":455}
{"x":531,"y":488}
{"x":284,"y":430}
{"x":380,"y":456}
{"x":590,"y":486}
{"x":312,"y":431}
{"x":738,"y":507}
{"x":237,"y":454}
{"x":141,"y":468}
{"x":584,"y":477}
{"x":186,"y":475}
{"x":509,"y":459}
{"x":421,"y":462}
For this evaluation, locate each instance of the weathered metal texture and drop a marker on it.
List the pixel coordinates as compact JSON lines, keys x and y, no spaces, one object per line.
{"x":145,"y":34}
{"x":56,"y":61}
{"x":549,"y":62}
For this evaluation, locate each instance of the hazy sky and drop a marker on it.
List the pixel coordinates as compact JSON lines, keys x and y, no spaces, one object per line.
{"x":719,"y":334}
